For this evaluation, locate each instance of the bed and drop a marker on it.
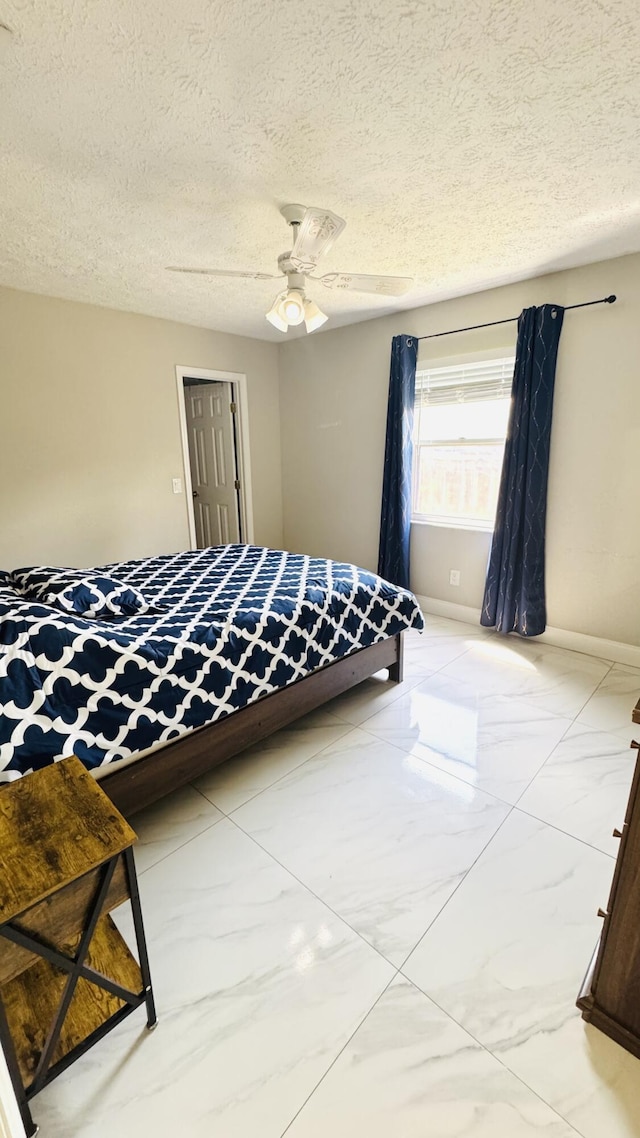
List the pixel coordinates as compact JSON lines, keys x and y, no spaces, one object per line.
{"x":233,"y":643}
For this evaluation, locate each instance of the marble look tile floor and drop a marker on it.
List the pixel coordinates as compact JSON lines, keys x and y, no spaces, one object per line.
{"x":376,"y":923}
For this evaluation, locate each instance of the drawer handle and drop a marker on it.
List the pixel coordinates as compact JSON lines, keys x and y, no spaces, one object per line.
{"x":617,"y":833}
{"x":601,"y":913}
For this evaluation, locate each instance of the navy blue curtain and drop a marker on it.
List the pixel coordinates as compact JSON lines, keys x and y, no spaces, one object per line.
{"x":395,"y":518}
{"x":514,"y":597}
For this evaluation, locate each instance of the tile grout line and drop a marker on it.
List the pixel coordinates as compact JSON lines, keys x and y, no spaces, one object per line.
{"x":489,"y":794}
{"x":514,"y":695}
{"x":511,"y":805}
{"x":441,"y":770}
{"x":487,"y":1050}
{"x":548,"y":758}
{"x":141,"y":872}
{"x":596,"y":689}
{"x":394,"y":698}
{"x":349,"y":728}
{"x":574,"y":723}
{"x":203,"y":795}
{"x":512,"y":809}
{"x":309,"y":890}
{"x":481,"y":790}
{"x":452,"y":895}
{"x":565,"y":833}
{"x":427,"y":675}
{"x":343,"y":1048}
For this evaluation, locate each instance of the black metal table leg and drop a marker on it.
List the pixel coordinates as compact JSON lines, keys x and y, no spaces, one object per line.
{"x":136,"y":909}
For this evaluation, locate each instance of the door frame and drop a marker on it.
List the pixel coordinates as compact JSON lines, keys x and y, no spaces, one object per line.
{"x":243,"y":453}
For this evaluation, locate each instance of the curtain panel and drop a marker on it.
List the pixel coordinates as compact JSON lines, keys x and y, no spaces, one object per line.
{"x":395,"y":519}
{"x":514,"y":598}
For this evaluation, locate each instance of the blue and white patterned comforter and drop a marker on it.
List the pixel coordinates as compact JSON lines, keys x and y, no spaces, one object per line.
{"x":228,"y":625}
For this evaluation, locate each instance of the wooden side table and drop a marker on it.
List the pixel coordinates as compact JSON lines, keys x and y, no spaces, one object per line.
{"x":66,"y":974}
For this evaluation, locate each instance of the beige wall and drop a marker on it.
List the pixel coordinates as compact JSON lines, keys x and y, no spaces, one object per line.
{"x":333,"y":400}
{"x":89,"y":430}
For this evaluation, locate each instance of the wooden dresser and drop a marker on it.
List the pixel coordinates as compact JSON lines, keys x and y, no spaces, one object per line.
{"x":610,"y":994}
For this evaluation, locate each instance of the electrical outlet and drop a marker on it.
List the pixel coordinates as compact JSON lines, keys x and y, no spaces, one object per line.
{"x":177,"y":485}
{"x":454,"y":576}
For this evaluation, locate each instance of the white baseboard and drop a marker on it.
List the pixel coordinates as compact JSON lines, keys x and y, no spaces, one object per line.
{"x":450,"y":609}
{"x":558,"y":637}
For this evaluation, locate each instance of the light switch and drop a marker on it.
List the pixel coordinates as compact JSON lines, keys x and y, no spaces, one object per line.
{"x":177,"y":486}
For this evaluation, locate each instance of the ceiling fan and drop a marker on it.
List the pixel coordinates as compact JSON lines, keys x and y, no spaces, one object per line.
{"x":314,"y":232}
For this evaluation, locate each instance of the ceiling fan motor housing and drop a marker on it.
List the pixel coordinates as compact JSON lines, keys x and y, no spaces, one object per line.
{"x":286,"y":266}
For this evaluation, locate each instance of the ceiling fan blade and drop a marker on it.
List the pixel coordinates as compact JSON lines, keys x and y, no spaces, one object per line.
{"x":317,"y":232}
{"x":226,"y":273}
{"x":362,"y":282}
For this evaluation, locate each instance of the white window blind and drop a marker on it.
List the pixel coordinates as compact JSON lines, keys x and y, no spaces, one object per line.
{"x":460,"y":423}
{"x":465,"y":383}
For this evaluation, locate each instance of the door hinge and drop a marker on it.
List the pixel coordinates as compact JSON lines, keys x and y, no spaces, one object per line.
{"x":233,"y":408}
{"x":237,"y":483}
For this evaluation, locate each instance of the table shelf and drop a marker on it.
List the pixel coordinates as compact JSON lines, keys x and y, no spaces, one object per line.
{"x":32,"y":998}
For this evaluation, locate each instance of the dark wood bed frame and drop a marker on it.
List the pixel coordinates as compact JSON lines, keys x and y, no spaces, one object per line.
{"x":138,"y":785}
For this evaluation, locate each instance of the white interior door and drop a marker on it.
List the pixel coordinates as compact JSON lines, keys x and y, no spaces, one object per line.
{"x":212,"y":457}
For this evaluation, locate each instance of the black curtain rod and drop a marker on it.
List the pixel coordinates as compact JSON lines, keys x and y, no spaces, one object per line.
{"x":510,"y":319}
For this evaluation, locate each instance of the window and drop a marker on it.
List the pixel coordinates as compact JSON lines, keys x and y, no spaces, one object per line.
{"x":460,"y":424}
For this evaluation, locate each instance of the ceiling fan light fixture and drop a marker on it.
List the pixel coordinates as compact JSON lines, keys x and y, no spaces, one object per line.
{"x":291,"y":308}
{"x":274,"y":316}
{"x":313,"y":316}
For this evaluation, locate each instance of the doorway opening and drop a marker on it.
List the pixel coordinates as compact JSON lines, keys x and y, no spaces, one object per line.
{"x":212,"y":407}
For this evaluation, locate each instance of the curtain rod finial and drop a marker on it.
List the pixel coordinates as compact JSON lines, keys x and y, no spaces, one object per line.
{"x":610,"y":299}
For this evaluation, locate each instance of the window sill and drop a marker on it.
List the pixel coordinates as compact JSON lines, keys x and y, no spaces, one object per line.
{"x":470,"y":527}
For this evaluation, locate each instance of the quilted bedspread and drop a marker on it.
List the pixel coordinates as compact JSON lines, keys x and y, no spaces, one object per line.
{"x":227,"y":626}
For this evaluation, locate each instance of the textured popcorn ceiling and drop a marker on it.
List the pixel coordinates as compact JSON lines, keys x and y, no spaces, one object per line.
{"x":466,"y":142}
